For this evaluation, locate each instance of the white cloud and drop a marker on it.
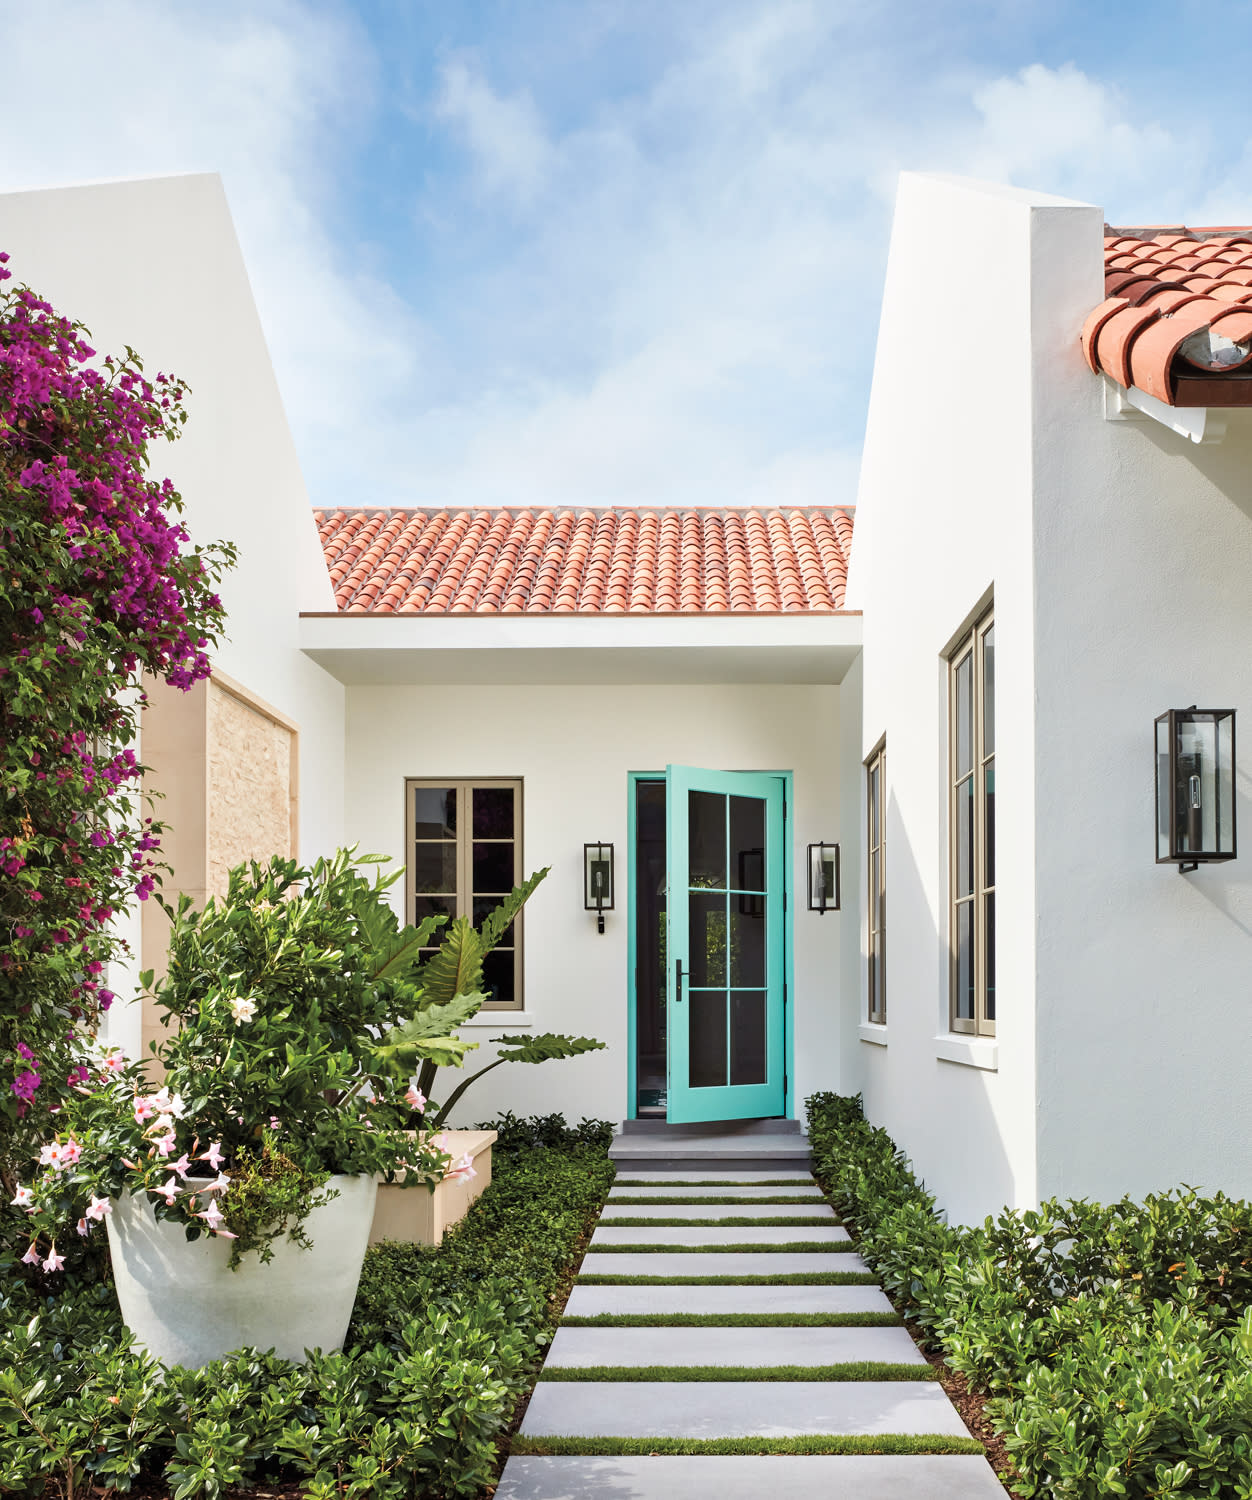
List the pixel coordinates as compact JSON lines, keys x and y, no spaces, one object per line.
{"x":505,"y":135}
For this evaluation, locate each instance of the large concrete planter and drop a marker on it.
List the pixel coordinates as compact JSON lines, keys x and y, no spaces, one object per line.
{"x":420,"y":1216}
{"x":183,"y":1303}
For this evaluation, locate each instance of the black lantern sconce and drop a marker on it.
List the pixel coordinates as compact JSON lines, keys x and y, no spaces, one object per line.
{"x":823,"y":877}
{"x":1195,"y":787}
{"x":598,"y":880}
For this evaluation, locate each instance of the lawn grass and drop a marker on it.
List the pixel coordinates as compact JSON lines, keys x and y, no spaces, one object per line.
{"x":717,"y":1198}
{"x":782,"y":1278}
{"x":787,"y":1247}
{"x":669,"y":1182}
{"x":809,"y":1444}
{"x":774,"y":1221}
{"x":737,"y":1320}
{"x":847,"y":1370}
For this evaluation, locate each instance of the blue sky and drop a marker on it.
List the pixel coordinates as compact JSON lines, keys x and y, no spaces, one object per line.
{"x":613,"y":251}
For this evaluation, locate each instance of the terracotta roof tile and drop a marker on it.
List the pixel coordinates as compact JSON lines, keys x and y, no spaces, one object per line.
{"x":1175,"y":320}
{"x":596,"y":561}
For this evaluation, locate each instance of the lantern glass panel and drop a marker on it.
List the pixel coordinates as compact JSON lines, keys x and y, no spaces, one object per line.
{"x":1164,"y":826}
{"x":598,"y":877}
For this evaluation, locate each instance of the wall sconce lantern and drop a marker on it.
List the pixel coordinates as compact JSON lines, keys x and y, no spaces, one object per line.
{"x":598,"y":880}
{"x":823,"y":877}
{"x":1195,"y":786}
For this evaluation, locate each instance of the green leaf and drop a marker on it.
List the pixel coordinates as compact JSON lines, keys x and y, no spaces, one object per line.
{"x":545,"y":1047}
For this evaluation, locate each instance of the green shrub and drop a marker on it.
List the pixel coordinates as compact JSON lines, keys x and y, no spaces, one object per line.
{"x":1115,"y":1341}
{"x":513,"y":1134}
{"x":443,"y":1343}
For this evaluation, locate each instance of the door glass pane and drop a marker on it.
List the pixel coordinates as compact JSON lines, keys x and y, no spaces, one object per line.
{"x":988,"y":691}
{"x":706,"y":912}
{"x":965,"y":837}
{"x":989,"y":776}
{"x":499,"y":970}
{"x":964,"y":716}
{"x":706,"y":1052}
{"x":747,"y":942}
{"x":650,"y":965}
{"x":747,"y":1036}
{"x":434,"y":867}
{"x":747,"y":843}
{"x":493,"y":812}
{"x":434,"y":812}
{"x":989,"y":939}
{"x":965,"y":961}
{"x":706,"y":838}
{"x":493,"y":868}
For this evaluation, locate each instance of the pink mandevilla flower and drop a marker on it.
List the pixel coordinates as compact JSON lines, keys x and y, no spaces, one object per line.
{"x":169,"y":1191}
{"x":182,"y":1166}
{"x":213,"y":1156}
{"x":31,"y":1258}
{"x":144,"y":1109}
{"x":83,"y":1228}
{"x":54,"y":1261}
{"x":414,"y":1098}
{"x":463,"y":1168}
{"x":98,"y":1207}
{"x":219,"y":1186}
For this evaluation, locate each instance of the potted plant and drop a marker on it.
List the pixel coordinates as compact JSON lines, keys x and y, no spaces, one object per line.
{"x":238,"y":1194}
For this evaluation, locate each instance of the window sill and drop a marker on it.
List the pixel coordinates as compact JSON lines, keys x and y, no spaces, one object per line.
{"x":970,"y":1051}
{"x":502,"y":1020}
{"x":873,"y":1032}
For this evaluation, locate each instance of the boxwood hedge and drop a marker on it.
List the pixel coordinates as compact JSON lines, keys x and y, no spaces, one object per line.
{"x":1114,"y":1340}
{"x":443,"y":1343}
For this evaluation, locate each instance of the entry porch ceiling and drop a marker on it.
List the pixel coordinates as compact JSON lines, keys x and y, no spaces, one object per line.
{"x":373,"y":650}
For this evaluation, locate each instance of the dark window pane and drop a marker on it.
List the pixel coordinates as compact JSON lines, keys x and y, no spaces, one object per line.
{"x":989,"y":939}
{"x":434,"y":867}
{"x":493,"y":812}
{"x":874,"y":858}
{"x":990,"y":781}
{"x":747,"y":843}
{"x":706,"y":839}
{"x":988,"y":691}
{"x":493,"y":869}
{"x":964,"y":997}
{"x":965,"y":837}
{"x":707,"y":938}
{"x":434,"y":812}
{"x":706,"y":1056}
{"x":747,"y":1037}
{"x":433,"y":906}
{"x":875,"y":1001}
{"x":747,"y":947}
{"x":874,"y":827}
{"x":483,"y":907}
{"x":964,"y":710}
{"x":499,"y":968}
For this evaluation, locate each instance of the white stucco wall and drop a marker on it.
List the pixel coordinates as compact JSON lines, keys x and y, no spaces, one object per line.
{"x":574,"y":746}
{"x":1143,"y":580}
{"x":154,"y":263}
{"x":944,"y":523}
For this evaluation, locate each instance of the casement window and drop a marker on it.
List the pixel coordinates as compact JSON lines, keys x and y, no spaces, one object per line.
{"x":876,"y":802}
{"x":465,"y":856}
{"x":972,"y":913}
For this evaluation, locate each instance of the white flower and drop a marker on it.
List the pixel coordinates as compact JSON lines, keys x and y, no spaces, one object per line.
{"x":98,"y":1207}
{"x":212,"y":1216}
{"x":463,"y":1168}
{"x":242,"y":1010}
{"x":169,"y":1191}
{"x":219,"y":1186}
{"x":25,"y":1197}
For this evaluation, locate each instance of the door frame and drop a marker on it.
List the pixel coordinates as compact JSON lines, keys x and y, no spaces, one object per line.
{"x":633,"y":778}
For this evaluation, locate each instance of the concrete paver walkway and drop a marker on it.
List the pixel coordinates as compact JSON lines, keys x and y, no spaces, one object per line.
{"x":642,"y":1300}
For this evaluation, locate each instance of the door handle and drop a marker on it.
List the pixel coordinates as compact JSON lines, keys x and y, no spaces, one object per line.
{"x":678,"y":980}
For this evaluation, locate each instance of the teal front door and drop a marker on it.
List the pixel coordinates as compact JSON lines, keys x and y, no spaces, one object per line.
{"x":725,"y":956}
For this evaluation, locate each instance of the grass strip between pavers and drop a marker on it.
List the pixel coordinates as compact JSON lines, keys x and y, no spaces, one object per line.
{"x":718,"y":1199}
{"x":669,"y":1182}
{"x":782,"y":1278}
{"x":810,"y":1444}
{"x":847,"y":1370}
{"x":737,"y":1320}
{"x":773,"y":1221}
{"x":786,"y":1247}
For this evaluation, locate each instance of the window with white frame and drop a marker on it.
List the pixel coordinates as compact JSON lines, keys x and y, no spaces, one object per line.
{"x":972,"y":911}
{"x":465,"y":856}
{"x":876,"y":799}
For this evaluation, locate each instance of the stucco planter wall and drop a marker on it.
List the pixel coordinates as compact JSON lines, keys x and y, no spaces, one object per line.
{"x":420,"y":1216}
{"x":184,"y":1304}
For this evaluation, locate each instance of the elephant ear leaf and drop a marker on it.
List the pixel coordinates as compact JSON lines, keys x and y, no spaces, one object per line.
{"x":394,"y":954}
{"x":457,"y":969}
{"x":431,"y":1036}
{"x":546,"y":1047}
{"x":495,"y":926}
